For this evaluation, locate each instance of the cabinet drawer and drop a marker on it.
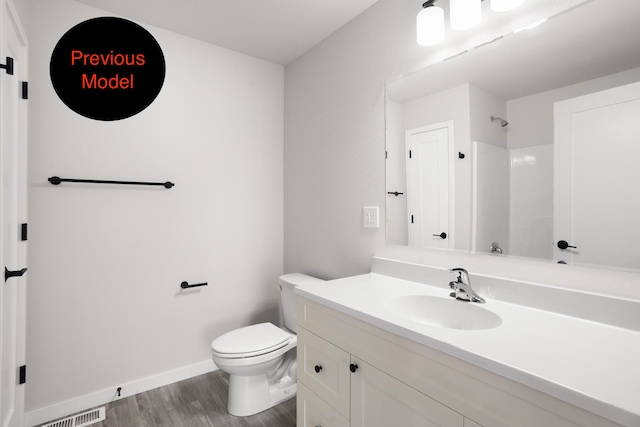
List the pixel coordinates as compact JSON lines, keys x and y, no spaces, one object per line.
{"x":314,"y":412}
{"x":324,"y":369}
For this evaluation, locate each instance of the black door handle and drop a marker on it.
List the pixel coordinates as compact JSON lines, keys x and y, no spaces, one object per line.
{"x":8,"y":273}
{"x":442,"y":235}
{"x":563,"y":244}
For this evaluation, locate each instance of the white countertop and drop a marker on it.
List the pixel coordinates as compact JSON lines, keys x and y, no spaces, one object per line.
{"x":592,"y":365}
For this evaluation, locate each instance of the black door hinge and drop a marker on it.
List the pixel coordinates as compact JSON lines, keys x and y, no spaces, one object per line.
{"x":23,"y":232}
{"x":23,"y":374}
{"x":25,"y":90}
{"x":8,"y":67}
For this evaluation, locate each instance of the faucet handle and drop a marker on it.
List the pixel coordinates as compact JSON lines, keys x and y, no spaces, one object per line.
{"x":462,"y":272}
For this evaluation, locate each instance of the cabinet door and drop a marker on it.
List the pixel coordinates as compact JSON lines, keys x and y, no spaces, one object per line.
{"x":314,"y":412}
{"x":324,"y":369}
{"x":379,"y":400}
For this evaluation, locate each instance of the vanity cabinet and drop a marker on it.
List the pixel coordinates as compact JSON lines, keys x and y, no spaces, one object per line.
{"x":352,"y":373}
{"x":339,"y":390}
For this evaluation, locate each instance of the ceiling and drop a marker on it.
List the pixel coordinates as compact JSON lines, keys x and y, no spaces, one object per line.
{"x":276,"y":30}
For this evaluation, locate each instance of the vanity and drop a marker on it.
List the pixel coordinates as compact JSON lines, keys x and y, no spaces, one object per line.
{"x":392,"y":348}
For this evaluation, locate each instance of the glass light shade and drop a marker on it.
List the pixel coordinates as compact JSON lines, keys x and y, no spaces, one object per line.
{"x":430,"y":26}
{"x":465,"y":13}
{"x":504,"y":5}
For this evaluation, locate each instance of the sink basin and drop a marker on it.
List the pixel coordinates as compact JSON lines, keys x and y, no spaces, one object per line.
{"x":443,"y":312}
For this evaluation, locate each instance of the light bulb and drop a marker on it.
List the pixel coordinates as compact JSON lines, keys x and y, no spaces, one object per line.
{"x":504,"y":5}
{"x":430,"y":26}
{"x":465,"y":13}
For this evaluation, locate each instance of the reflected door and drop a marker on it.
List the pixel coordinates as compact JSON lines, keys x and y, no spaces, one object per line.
{"x":597,"y":154}
{"x":429,"y":168}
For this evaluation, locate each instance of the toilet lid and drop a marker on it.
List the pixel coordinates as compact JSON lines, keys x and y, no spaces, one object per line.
{"x":250,"y":340}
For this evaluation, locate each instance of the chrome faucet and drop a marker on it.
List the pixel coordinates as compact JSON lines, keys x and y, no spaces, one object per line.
{"x":462,"y":287}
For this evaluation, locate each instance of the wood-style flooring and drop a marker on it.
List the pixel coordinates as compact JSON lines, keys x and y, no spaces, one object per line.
{"x":195,"y":402}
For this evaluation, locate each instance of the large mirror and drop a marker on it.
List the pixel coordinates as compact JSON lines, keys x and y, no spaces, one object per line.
{"x":527,"y":146}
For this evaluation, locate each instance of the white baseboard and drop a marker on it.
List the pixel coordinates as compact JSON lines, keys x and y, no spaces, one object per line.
{"x":101,"y":397}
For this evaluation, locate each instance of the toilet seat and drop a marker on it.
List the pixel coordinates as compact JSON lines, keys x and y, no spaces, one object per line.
{"x":250,"y":341}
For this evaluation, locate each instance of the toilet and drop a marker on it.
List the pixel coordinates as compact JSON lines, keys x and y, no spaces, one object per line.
{"x":261,"y":359}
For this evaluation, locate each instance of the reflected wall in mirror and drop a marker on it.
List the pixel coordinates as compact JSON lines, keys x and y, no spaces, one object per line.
{"x":544,"y":143}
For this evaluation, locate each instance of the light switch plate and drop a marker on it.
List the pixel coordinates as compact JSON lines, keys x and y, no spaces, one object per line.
{"x":371,"y":216}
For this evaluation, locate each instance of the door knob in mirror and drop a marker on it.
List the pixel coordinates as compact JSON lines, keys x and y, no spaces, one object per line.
{"x":563,"y":244}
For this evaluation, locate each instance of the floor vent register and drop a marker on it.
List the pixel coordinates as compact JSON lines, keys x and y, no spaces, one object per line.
{"x":81,"y":420}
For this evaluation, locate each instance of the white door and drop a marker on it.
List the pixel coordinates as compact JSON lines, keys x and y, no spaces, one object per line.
{"x":13,"y":213}
{"x":596,"y":203}
{"x":429,"y":184}
{"x":379,"y":400}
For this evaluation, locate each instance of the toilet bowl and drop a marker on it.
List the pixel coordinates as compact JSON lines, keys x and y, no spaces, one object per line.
{"x":261,"y":359}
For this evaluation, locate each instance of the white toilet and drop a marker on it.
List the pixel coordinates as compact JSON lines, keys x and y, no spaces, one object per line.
{"x":261,"y":359}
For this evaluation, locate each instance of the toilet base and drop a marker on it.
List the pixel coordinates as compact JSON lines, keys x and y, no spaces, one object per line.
{"x":249,"y":395}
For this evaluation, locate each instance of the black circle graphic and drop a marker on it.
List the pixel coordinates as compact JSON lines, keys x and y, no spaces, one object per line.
{"x":107,"y":68}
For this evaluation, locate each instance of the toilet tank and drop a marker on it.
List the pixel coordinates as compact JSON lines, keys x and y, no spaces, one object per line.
{"x":287,"y":283}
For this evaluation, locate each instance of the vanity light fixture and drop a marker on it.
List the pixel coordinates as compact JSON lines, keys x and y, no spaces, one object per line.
{"x":430,"y":24}
{"x":463,"y":14}
{"x":505,"y":5}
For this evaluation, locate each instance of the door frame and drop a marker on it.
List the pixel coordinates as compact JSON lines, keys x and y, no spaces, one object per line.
{"x":10,"y":17}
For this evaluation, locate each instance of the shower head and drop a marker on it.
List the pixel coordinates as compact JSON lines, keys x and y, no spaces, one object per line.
{"x":503,"y":122}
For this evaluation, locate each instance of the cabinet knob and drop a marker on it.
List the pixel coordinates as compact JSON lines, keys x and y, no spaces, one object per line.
{"x":353,"y":367}
{"x":318,"y":368}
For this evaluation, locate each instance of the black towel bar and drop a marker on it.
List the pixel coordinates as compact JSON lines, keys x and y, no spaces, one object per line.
{"x":185,"y":285}
{"x":56,"y":180}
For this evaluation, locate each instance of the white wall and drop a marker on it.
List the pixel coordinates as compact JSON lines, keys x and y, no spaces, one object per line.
{"x":484,"y":105}
{"x":334,"y":156}
{"x":106,"y":262}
